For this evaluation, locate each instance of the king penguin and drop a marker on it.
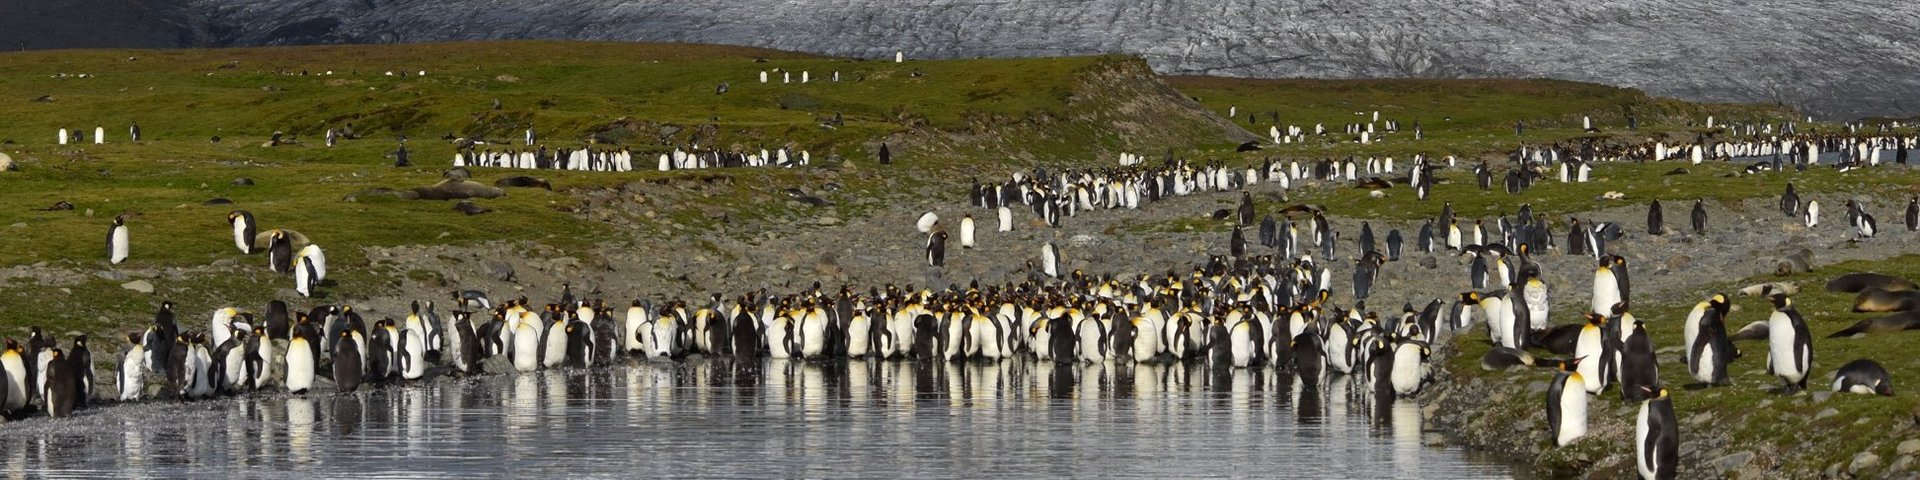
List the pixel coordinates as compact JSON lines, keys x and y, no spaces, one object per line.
{"x":1789,"y":346}
{"x":1593,"y":344}
{"x":1567,"y":407}
{"x":131,"y":376}
{"x":1606,"y":288}
{"x":13,"y":365}
{"x":1699,"y":217}
{"x":82,"y":359}
{"x":306,"y":279}
{"x":1709,"y":350}
{"x":1913,"y":214}
{"x":966,"y":231}
{"x":927,"y":222}
{"x":1655,"y":219}
{"x":279,"y":251}
{"x":61,"y":391}
{"x":1050,"y":260}
{"x":347,"y":368}
{"x":937,"y":249}
{"x":1863,"y":376}
{"x":244,"y":230}
{"x":300,"y":362}
{"x":1006,"y":218}
{"x":1639,"y":369}
{"x":1656,"y":437}
{"x":117,"y":243}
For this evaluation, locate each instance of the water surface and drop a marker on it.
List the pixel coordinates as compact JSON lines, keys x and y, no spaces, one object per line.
{"x":769,"y":419}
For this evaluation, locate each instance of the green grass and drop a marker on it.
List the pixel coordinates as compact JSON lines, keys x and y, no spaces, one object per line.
{"x":1781,"y":431}
{"x":946,"y":121}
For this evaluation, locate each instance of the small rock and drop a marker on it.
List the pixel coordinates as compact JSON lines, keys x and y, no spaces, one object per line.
{"x":111,"y":275}
{"x":1821,"y":396}
{"x":1679,"y":262}
{"x":1908,"y":447}
{"x":1731,"y":462}
{"x":1830,"y":411}
{"x":1429,"y":263}
{"x":826,"y":221}
{"x":243,"y":182}
{"x":1905,"y":463}
{"x":1862,"y":462}
{"x":1083,"y":240}
{"x":499,"y":270}
{"x":141,"y":286}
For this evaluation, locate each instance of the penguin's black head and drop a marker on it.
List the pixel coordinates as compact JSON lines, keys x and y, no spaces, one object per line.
{"x":1883,"y":388}
{"x":1780,"y":301}
{"x":79,"y":341}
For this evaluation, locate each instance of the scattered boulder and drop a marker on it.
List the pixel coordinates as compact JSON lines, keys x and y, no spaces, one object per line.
{"x":469,"y":208}
{"x":450,"y":189}
{"x":499,"y":270}
{"x":242,"y":182}
{"x":141,"y":286}
{"x":524,"y":182}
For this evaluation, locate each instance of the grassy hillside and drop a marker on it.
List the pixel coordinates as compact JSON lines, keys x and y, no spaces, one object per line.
{"x":946,"y":120}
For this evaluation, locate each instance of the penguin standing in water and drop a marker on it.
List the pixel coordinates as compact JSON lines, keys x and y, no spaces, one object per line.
{"x":937,"y":249}
{"x":1656,"y":436}
{"x":1864,"y":377}
{"x":117,"y":243}
{"x":1789,"y":346}
{"x":1655,"y":219}
{"x":300,"y":362}
{"x":412,"y":354}
{"x":1309,"y":360}
{"x":13,"y":367}
{"x":1409,"y":366}
{"x":279,"y":251}
{"x":1567,"y":404}
{"x":82,"y":359}
{"x":244,"y":229}
{"x":61,"y":391}
{"x":462,"y":351}
{"x":1699,"y":217}
{"x":347,"y":368}
{"x":131,"y":376}
{"x":1639,"y":369}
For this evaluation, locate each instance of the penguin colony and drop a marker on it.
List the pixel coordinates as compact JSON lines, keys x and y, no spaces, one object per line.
{"x":622,"y":159}
{"x":1273,"y":311}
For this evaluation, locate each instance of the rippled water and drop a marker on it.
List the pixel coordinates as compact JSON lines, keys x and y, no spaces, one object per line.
{"x":773,"y":419}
